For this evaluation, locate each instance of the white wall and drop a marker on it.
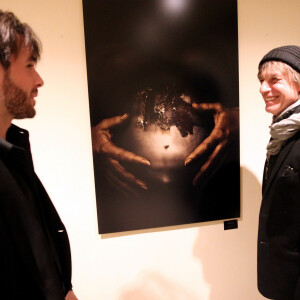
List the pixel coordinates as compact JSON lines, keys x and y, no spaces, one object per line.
{"x":199,"y":261}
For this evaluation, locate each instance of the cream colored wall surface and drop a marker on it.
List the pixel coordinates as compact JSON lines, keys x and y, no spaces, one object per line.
{"x":191,"y":262}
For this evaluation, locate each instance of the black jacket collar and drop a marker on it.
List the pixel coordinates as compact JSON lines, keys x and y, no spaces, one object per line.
{"x":17,"y":139}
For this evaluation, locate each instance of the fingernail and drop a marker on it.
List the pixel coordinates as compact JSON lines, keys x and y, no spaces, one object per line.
{"x":187,"y":161}
{"x":146,"y":162}
{"x":124,"y":116}
{"x":144,"y":187}
{"x":196,"y":180}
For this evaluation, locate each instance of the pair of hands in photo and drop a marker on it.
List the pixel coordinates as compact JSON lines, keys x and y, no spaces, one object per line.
{"x":215,"y":146}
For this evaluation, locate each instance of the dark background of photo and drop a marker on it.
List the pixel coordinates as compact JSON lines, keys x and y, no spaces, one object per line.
{"x":132,"y":44}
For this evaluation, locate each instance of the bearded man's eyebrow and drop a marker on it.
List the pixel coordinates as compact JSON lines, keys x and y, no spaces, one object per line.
{"x":33,"y":58}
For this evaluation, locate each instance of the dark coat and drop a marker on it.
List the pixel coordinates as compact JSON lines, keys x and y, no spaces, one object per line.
{"x":279,"y":226}
{"x":34,"y":246}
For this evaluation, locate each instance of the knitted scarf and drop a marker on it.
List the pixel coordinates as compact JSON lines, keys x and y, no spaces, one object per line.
{"x":283,"y":127}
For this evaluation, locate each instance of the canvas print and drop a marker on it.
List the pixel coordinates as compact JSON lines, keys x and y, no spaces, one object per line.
{"x":163,"y":95}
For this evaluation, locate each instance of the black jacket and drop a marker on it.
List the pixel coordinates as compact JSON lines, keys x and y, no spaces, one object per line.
{"x":279,"y":226}
{"x":34,"y":247}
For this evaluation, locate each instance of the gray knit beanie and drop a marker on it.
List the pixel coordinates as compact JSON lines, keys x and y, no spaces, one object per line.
{"x":287,"y":54}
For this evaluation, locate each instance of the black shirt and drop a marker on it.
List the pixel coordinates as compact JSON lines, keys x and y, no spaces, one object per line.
{"x":34,"y":242}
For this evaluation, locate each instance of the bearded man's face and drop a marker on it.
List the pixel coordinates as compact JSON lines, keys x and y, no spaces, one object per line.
{"x":20,"y":85}
{"x":17,"y":101}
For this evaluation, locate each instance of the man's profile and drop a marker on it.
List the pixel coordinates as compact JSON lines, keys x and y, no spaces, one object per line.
{"x":34,"y":245}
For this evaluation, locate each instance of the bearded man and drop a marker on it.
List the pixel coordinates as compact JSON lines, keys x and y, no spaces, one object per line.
{"x":34,"y":246}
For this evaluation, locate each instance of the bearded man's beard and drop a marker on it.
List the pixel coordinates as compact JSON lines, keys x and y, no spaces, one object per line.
{"x":16,"y":100}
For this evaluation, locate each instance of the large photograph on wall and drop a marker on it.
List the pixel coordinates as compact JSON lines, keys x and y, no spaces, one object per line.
{"x":164,"y":98}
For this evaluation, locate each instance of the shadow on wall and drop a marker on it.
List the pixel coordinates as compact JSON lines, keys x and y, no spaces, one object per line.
{"x":228,"y":259}
{"x":153,"y":286}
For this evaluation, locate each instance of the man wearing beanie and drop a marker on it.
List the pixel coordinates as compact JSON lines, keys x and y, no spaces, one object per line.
{"x":279,"y":221}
